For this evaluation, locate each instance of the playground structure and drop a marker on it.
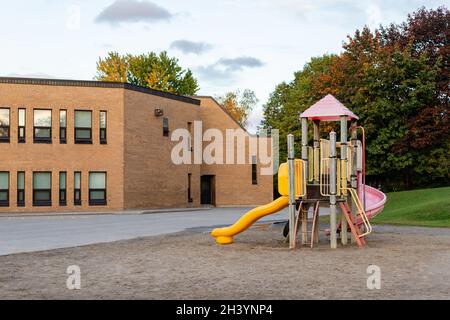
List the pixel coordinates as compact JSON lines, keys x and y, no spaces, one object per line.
{"x":329,"y":173}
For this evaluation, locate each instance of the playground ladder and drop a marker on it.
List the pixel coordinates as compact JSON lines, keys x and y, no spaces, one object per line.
{"x":361,"y":212}
{"x":351,"y":223}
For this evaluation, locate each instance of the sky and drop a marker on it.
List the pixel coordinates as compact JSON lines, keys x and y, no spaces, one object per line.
{"x":228,"y":44}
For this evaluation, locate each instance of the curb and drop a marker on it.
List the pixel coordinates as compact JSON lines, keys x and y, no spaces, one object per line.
{"x":110,"y":213}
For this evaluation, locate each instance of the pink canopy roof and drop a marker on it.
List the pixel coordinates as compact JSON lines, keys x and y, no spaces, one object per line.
{"x":327,"y":109}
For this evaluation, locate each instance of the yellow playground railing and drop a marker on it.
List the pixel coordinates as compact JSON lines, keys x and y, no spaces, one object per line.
{"x":344,"y":169}
{"x":361,"y":212}
{"x":324,"y":148}
{"x":325,"y":177}
{"x":341,"y":177}
{"x":300,"y":174}
{"x":311,"y":164}
{"x":299,"y":180}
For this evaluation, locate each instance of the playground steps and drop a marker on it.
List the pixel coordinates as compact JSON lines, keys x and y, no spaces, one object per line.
{"x":352,"y":224}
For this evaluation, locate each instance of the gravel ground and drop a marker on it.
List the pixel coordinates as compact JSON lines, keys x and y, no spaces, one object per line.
{"x":414,"y":262}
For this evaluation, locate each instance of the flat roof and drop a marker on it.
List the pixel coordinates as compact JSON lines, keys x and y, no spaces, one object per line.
{"x":98,"y":84}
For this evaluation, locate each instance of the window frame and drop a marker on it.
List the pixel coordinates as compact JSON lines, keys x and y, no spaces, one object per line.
{"x":190,"y":200}
{"x":41,"y":139}
{"x":75,"y":128}
{"x":5,"y":203}
{"x":21,"y":192}
{"x":8,"y":127}
{"x":21,"y":138}
{"x":166,"y":127}
{"x":77,"y":191}
{"x":98,"y":202}
{"x":42,"y":203}
{"x":254,"y":170}
{"x":62,"y":129}
{"x":190,"y":137}
{"x":62,"y":199}
{"x":103,"y":131}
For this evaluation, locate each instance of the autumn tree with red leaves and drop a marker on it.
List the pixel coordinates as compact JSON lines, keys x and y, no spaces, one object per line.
{"x":396,"y":79}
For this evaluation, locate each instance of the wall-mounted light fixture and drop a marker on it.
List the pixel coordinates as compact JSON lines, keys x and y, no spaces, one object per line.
{"x":159,"y":112}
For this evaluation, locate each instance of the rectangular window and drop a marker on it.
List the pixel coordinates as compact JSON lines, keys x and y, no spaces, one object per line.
{"x":97,"y":188}
{"x":62,"y":188}
{"x":165,"y":127}
{"x":254,"y":171}
{"x":42,"y":188}
{"x":4,"y":189}
{"x":190,"y":136}
{"x":4,"y":125}
{"x":83,"y":127}
{"x":189,"y":187}
{"x":21,"y":130}
{"x":77,"y":188}
{"x":102,"y":127}
{"x":20,"y":189}
{"x":42,"y":126}
{"x":63,"y":126}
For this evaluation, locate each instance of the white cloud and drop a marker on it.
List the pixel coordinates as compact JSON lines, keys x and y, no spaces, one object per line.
{"x":237,"y":64}
{"x":226,"y":68}
{"x":126,"y":11}
{"x":187,"y":46}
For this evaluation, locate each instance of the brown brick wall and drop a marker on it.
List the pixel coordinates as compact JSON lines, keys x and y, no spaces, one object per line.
{"x":233,"y":182}
{"x":68,"y":157}
{"x":151,"y":178}
{"x":137,"y":157}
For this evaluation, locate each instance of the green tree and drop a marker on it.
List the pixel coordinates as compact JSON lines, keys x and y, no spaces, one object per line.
{"x":155,"y":71}
{"x":427,"y":33}
{"x":395,"y":87}
{"x":285,"y":104}
{"x":113,"y":68}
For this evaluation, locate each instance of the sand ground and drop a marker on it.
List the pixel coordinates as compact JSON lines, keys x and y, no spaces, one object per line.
{"x":414,"y":262}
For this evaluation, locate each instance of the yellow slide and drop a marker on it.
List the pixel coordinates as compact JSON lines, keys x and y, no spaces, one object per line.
{"x":225,"y":235}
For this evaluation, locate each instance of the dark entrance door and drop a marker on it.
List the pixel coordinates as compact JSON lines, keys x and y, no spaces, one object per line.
{"x":207,"y":189}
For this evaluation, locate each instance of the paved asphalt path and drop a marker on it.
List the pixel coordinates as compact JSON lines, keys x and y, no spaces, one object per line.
{"x":36,"y":233}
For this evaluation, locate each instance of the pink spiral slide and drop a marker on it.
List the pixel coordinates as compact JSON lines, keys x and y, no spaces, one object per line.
{"x":374,"y":201}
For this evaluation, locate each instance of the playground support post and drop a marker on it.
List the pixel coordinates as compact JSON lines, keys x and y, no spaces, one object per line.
{"x":363,"y":164}
{"x":344,"y":168}
{"x":304,"y":213}
{"x":333,"y":223}
{"x":305,"y":145}
{"x":354,"y":173}
{"x":291,"y":175}
{"x":316,"y":155}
